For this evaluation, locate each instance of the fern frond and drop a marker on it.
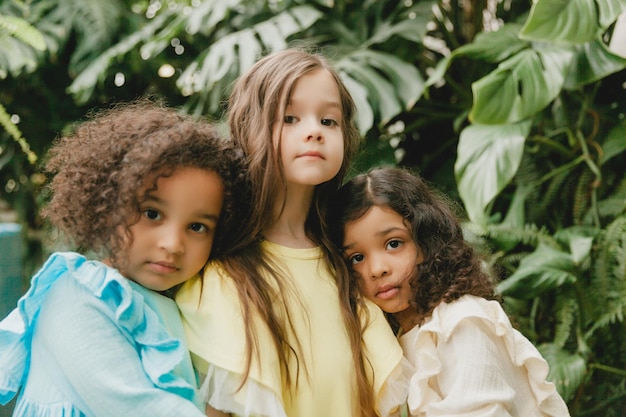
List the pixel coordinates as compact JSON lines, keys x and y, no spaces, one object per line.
{"x":22,"y":30}
{"x":566,"y":313}
{"x":14,"y":132}
{"x":552,"y":193}
{"x":529,"y":235}
{"x":582,"y":191}
{"x":510,"y":261}
{"x":607,"y":289}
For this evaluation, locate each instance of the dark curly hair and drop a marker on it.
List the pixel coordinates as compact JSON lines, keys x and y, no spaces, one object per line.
{"x":99,"y":168}
{"x":451,"y":268}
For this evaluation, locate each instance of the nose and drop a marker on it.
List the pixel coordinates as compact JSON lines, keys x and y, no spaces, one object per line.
{"x":314,"y":131}
{"x":172,"y":241}
{"x":379,"y":267}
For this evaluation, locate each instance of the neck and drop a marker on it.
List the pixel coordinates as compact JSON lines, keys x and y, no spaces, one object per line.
{"x":289,"y":228}
{"x":408,"y":318}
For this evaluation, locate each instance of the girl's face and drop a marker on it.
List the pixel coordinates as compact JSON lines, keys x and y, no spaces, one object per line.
{"x":381,"y":250}
{"x":172,"y":240}
{"x":311,"y":140}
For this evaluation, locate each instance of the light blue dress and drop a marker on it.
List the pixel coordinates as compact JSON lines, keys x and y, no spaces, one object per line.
{"x":85,"y":341}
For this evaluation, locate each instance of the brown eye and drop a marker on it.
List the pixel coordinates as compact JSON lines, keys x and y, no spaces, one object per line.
{"x":394,"y":244}
{"x":356,"y":258}
{"x":198,"y":227}
{"x":152,"y":214}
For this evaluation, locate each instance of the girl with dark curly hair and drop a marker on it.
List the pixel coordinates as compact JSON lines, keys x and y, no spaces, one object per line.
{"x":406,"y":248}
{"x":148,"y":191}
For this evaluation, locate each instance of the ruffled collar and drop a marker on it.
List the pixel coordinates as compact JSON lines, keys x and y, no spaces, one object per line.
{"x":159,"y":352}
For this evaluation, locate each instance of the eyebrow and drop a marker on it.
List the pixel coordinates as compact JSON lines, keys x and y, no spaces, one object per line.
{"x":207,"y":216}
{"x":331,"y":103}
{"x":380,"y":234}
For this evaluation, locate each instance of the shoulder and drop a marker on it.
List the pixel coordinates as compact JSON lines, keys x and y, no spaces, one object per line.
{"x":214,"y":283}
{"x":468,"y":311}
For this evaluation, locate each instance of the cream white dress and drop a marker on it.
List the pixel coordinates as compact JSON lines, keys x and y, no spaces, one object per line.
{"x":470,"y":361}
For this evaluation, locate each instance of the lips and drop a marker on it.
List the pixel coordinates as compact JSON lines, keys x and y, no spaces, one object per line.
{"x":387,"y":291}
{"x":162,"y":267}
{"x":311,"y":154}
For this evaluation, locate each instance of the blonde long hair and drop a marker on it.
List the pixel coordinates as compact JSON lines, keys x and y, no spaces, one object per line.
{"x":258,"y":101}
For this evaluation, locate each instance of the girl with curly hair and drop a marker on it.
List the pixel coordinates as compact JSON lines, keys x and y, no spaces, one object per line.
{"x":148,"y":191}
{"x":408,"y":254}
{"x":274,"y":324}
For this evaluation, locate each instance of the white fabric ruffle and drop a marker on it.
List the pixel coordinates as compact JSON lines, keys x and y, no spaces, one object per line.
{"x":421,"y":346}
{"x":221,"y":390}
{"x":394,"y":392}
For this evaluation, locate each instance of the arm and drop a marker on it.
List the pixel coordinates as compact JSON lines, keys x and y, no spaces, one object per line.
{"x":212,"y":412}
{"x":101,"y":371}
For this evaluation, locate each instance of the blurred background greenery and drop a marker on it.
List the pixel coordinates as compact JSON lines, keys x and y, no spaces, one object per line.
{"x":515,"y":109}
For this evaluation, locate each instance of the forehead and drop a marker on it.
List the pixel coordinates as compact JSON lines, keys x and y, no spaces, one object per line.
{"x":377,"y":222}
{"x":318,"y":85}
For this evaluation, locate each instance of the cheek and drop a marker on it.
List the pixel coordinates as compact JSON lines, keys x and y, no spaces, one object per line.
{"x":366,"y":286}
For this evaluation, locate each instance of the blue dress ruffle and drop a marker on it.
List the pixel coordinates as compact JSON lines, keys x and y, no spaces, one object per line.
{"x":160,"y":353}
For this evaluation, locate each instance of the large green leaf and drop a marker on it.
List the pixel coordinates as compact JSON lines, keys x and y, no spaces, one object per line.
{"x":574,"y":21}
{"x":488,"y":158}
{"x":494,"y":46}
{"x":408,"y":83}
{"x":214,"y":63}
{"x":521,"y":86}
{"x":593,"y":62}
{"x":544,"y":269}
{"x":84,"y":84}
{"x":93,"y":25}
{"x":207,"y":14}
{"x":365,"y":114}
{"x":614,"y":143}
{"x":412,"y":28}
{"x":610,"y":10}
{"x":380,"y":91}
{"x":490,"y":47}
{"x":567,"y":370}
{"x":234,"y":53}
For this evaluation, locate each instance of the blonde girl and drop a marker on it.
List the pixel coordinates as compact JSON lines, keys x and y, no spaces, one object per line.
{"x":276,"y":325}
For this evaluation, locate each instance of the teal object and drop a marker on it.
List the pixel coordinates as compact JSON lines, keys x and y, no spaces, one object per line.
{"x":11,"y":262}
{"x":11,"y":285}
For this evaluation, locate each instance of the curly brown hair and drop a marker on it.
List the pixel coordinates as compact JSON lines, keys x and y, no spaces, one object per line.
{"x":451,"y":268}
{"x":99,"y":168}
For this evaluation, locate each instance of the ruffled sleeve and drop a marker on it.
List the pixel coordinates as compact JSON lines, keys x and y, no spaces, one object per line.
{"x":390,"y":371}
{"x":210,"y":307}
{"x":16,"y":329}
{"x":158,"y":352}
{"x":471,"y":362}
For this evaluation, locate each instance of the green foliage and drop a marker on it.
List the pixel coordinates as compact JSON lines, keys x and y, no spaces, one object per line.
{"x":236,"y":34}
{"x":19,"y":43}
{"x":539,"y":169}
{"x":514,"y":107}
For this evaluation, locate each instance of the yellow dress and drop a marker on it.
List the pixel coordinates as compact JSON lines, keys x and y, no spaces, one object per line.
{"x":326,"y":385}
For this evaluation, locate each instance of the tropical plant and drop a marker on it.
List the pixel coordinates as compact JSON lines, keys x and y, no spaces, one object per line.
{"x":236,"y":33}
{"x":521,"y":118}
{"x":19,"y":44}
{"x":539,"y":169}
